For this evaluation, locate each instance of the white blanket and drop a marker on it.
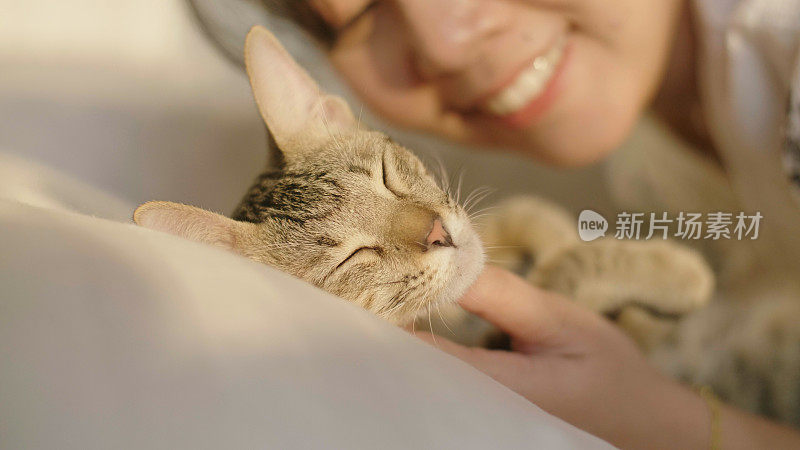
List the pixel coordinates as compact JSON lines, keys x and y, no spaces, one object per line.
{"x":114,"y":336}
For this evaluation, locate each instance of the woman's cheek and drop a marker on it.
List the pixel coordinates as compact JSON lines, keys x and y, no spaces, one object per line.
{"x":395,"y":94}
{"x":598,"y":110}
{"x":597,"y":104}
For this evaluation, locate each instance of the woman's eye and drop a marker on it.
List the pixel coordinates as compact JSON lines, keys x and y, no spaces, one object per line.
{"x":356,"y":252}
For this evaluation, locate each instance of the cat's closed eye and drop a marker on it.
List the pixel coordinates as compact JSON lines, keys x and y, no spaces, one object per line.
{"x":358,"y":252}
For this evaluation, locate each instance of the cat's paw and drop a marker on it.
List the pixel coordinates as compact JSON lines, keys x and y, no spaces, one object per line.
{"x":661,"y":278}
{"x":521,"y":231}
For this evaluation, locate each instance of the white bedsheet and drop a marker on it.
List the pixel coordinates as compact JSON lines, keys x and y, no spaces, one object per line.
{"x":114,"y":336}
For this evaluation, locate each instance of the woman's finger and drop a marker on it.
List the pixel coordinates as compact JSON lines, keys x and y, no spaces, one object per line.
{"x":531,"y":316}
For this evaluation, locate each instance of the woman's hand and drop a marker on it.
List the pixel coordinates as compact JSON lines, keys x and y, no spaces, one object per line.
{"x":578,"y":366}
{"x":581,"y":368}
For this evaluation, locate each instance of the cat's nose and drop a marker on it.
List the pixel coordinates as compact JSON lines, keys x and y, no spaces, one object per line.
{"x":438,"y":236}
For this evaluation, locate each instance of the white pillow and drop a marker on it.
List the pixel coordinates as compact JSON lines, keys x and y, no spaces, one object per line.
{"x":113,"y":336}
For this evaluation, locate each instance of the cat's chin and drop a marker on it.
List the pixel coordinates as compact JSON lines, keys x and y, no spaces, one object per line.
{"x":464,"y":266}
{"x":467,"y":266}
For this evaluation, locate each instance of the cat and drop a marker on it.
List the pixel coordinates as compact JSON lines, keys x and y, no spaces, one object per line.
{"x":346,"y":209}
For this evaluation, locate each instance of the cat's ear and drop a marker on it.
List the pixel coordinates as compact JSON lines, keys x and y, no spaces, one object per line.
{"x":191,"y":223}
{"x":300,"y":116}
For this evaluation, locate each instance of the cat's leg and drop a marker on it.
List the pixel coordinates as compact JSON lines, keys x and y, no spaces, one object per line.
{"x":521,"y":231}
{"x":643,"y":285}
{"x":747,"y":352}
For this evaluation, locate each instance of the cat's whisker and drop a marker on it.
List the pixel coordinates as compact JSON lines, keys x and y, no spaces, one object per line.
{"x":397,"y":301}
{"x":468,"y":204}
{"x":401,"y":301}
{"x":480,"y":220}
{"x":474,"y":192}
{"x":393,"y":304}
{"x":430,"y":325}
{"x":388,"y":313}
{"x":482,"y":210}
{"x":440,"y":176}
{"x":458,"y":188}
{"x":444,"y":181}
{"x":482,"y":192}
{"x":324,"y":115}
{"x":444,"y":321}
{"x":477,"y":217}
{"x":416,"y":311}
{"x":477,"y":196}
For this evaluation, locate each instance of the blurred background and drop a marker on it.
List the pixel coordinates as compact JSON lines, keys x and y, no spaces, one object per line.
{"x":127,"y":96}
{"x":133,"y":99}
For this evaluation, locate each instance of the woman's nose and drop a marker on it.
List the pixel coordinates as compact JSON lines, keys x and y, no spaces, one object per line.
{"x":446,"y":34}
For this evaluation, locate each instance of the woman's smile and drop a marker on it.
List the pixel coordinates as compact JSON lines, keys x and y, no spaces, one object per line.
{"x":532,"y":91}
{"x":528,"y":84}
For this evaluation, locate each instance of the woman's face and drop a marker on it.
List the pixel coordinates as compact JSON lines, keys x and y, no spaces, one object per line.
{"x":564,"y":79}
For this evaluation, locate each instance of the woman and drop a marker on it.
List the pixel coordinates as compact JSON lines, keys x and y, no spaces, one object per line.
{"x":564,"y":81}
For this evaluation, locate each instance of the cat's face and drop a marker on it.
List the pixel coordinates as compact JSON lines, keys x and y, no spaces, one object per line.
{"x":349,"y":210}
{"x":363,"y":219}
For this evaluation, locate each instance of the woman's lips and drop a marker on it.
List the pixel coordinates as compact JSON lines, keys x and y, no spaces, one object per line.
{"x":532,"y":91}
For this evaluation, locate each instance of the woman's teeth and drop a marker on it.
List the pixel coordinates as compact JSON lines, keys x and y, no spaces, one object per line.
{"x":530,"y":83}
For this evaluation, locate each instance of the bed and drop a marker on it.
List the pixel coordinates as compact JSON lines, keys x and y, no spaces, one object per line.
{"x":114,"y":336}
